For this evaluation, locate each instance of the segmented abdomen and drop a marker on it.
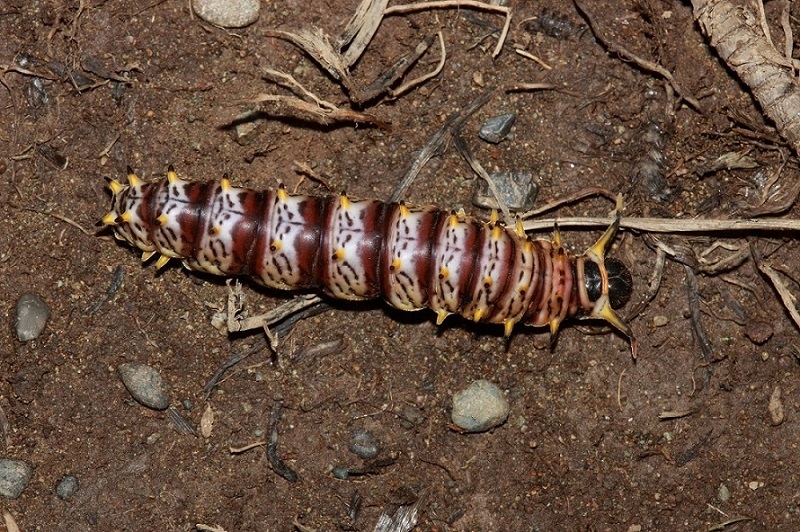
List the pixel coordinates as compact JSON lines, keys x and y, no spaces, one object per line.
{"x":413,"y":258}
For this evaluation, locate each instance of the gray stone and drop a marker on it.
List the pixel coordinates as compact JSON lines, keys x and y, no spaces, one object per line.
{"x":14,"y":476}
{"x":227,"y":13}
{"x":145,"y":385}
{"x":67,"y":487}
{"x":32,"y":316}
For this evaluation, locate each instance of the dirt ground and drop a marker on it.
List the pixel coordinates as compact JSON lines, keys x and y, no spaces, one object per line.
{"x":677,"y":439}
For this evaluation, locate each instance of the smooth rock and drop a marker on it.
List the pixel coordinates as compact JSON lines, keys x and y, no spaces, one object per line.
{"x":14,"y":476}
{"x":145,"y":385}
{"x":364,"y":444}
{"x":227,"y":13}
{"x":32,"y":316}
{"x":67,"y":487}
{"x":479,"y":407}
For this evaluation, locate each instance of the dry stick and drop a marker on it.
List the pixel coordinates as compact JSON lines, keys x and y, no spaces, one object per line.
{"x":438,"y":142}
{"x":639,"y":61}
{"x":528,"y":55}
{"x":736,"y":34}
{"x":448,"y":4}
{"x":667,"y":225}
{"x":314,"y":112}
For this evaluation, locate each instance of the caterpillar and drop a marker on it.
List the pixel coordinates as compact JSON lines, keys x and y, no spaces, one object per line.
{"x":413,"y":258}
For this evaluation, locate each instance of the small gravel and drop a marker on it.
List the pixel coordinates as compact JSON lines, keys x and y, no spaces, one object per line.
{"x":227,"y":13}
{"x":32,"y":316}
{"x":479,"y":407}
{"x":67,"y":487}
{"x":145,"y":385}
{"x":364,"y":444}
{"x":14,"y":476}
{"x":776,"y":412}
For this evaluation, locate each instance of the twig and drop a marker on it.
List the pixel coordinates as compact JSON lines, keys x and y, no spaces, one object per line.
{"x":239,"y":450}
{"x":668,"y":225}
{"x":315,"y":112}
{"x":533,"y":58}
{"x":116,"y":283}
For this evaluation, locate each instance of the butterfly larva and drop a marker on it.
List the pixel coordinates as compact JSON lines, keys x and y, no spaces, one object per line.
{"x":413,"y":258}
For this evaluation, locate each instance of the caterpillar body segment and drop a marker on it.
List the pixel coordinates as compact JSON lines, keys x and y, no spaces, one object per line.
{"x":412,"y":258}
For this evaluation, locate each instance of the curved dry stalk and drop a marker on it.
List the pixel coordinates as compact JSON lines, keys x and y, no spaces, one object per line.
{"x":449,"y":4}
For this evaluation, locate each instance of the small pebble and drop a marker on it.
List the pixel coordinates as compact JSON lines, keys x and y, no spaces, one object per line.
{"x":479,"y":407}
{"x":364,"y":444}
{"x":496,"y":129}
{"x":723,"y":493}
{"x":207,"y":422}
{"x":227,"y":13}
{"x":775,"y":407}
{"x":32,"y":315}
{"x":67,"y":487}
{"x":145,"y":385}
{"x":14,"y":476}
{"x":411,"y":416}
{"x":660,"y":321}
{"x":341,"y":473}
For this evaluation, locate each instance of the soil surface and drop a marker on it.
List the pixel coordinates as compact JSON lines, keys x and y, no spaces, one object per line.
{"x":680,"y":438}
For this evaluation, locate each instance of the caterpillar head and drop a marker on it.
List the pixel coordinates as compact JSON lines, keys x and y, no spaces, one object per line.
{"x":620,"y":282}
{"x":607,"y":283}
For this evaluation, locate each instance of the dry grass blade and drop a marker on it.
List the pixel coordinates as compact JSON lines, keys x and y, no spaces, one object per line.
{"x":360,"y":30}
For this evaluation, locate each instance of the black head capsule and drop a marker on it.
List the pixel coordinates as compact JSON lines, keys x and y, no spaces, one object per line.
{"x":620,"y":282}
